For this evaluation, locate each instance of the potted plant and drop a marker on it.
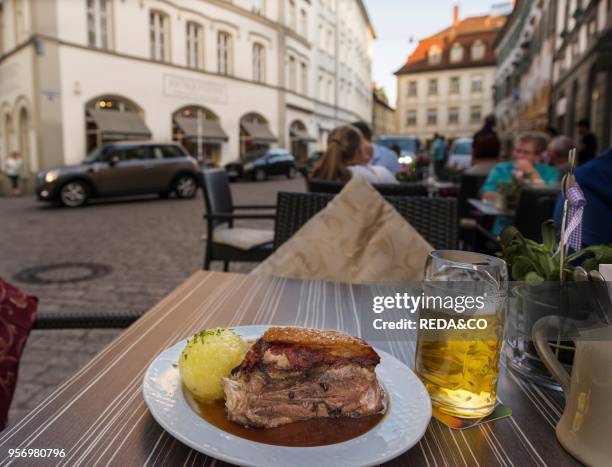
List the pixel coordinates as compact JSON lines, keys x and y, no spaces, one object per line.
{"x":536,"y":266}
{"x":511,"y":190}
{"x":535,"y":263}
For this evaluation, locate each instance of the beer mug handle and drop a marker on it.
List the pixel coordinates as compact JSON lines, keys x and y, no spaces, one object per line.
{"x":540,"y":334}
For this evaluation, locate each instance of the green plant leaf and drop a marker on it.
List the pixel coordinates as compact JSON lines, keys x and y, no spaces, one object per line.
{"x":521,"y":267}
{"x":549,"y":235}
{"x":509,"y":234}
{"x":533,"y":278}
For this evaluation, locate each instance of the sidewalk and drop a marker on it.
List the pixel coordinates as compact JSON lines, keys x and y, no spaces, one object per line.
{"x":150,"y":246}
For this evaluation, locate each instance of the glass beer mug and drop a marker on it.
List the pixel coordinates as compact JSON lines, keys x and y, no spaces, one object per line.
{"x":457,"y":355}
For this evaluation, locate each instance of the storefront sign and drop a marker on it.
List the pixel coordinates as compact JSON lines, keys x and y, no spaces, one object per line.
{"x":178,"y":86}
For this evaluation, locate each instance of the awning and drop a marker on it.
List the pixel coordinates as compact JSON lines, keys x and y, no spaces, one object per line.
{"x":117,"y":125}
{"x":259,"y":132}
{"x":211,"y":130}
{"x":302,"y":135}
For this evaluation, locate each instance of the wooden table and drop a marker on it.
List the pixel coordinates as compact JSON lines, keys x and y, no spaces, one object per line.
{"x":100,"y":418}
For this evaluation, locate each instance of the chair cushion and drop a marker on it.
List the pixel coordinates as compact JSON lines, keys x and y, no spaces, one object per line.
{"x":242,"y":238}
{"x":358,"y":237}
{"x":17,"y":313}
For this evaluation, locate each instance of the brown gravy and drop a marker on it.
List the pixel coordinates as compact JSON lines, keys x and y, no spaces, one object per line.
{"x":308,"y":433}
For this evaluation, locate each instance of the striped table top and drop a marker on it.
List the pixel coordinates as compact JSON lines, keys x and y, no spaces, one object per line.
{"x":99,"y":416}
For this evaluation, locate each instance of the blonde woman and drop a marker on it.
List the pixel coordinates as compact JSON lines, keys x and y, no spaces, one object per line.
{"x":347,"y":155}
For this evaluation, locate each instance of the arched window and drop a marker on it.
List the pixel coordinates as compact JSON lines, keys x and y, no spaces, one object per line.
{"x":259,"y":63}
{"x":434,"y":55}
{"x":98,"y":23}
{"x":478,"y":50}
{"x":195,"y":45}
{"x":456,"y":53}
{"x":299,"y":139}
{"x":21,"y":22}
{"x":160,"y":36}
{"x":24,"y":135}
{"x":259,"y":7}
{"x":198,"y":129}
{"x":8,"y":134}
{"x":255,"y":134}
{"x":103,"y":125}
{"x":224,"y":53}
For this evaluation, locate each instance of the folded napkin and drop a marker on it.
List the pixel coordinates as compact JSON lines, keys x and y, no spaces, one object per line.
{"x":357,"y":238}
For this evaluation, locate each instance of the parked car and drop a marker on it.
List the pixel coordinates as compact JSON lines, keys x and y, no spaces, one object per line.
{"x":460,"y":154}
{"x":409,"y":145}
{"x":122,"y":168}
{"x":258,"y":165}
{"x":305,"y":167}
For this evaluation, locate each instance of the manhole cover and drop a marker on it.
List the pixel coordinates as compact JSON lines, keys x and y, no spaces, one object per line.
{"x":62,"y":273}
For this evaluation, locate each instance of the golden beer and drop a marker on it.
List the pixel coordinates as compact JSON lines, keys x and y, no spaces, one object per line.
{"x":458,"y":367}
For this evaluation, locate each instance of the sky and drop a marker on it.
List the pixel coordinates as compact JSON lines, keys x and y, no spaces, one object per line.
{"x":396,"y":22}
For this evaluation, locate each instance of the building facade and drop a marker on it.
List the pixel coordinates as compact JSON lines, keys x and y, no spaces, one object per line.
{"x":523,"y":78}
{"x":446,"y":84}
{"x":582,"y":68}
{"x":222,"y":77}
{"x":383,"y":115}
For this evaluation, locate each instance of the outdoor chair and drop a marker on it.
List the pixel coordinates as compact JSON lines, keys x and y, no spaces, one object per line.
{"x":224,"y":242}
{"x":535,"y":206}
{"x":472,"y":234}
{"x":84,"y":320}
{"x":385,"y":189}
{"x":434,"y":218}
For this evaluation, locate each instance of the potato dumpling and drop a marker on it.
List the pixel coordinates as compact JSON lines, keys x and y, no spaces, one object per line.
{"x":208,"y":357}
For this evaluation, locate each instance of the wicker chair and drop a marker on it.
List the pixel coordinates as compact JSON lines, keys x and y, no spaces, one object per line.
{"x":434,"y":218}
{"x":535,"y":206}
{"x":385,"y":189}
{"x":220,"y":211}
{"x":56,"y":320}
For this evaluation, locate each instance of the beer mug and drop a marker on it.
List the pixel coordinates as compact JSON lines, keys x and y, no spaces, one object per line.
{"x":457,"y":356}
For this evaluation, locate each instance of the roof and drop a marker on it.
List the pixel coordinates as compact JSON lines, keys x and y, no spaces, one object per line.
{"x":381,"y":99}
{"x":464,"y":32}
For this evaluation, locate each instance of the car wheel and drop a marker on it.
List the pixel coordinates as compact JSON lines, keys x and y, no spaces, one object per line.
{"x":185,"y":186}
{"x":260,"y":175}
{"x":74,"y":194}
{"x":291,"y":173}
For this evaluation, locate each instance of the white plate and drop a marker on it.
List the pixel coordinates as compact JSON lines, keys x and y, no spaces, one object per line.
{"x":405,"y":422}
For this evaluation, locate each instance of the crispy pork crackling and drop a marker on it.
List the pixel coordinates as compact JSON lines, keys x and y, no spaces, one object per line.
{"x":293,"y":374}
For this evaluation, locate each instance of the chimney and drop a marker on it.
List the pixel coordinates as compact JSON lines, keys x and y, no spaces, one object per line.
{"x":455,"y":15}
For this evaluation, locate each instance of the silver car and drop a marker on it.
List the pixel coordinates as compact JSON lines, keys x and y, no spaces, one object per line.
{"x":460,"y":154}
{"x":119,"y":169}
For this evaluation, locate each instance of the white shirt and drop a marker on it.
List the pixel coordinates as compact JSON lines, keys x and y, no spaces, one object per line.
{"x":373,"y":173}
{"x":13,"y":166}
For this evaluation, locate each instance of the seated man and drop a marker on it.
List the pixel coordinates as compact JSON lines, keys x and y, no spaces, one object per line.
{"x":527,"y":151}
{"x":381,"y":155}
{"x":594,"y":179}
{"x":557,"y":153}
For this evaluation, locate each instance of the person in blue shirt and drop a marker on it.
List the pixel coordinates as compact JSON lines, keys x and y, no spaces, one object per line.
{"x":381,"y":155}
{"x":595,"y":180}
{"x":438,"y":153}
{"x":527,"y":152}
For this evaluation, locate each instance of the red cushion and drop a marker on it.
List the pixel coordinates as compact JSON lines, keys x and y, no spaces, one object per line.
{"x":17,"y":314}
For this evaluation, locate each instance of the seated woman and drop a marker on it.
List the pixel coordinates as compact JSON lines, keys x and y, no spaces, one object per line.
{"x":527,"y":152}
{"x":347,"y":155}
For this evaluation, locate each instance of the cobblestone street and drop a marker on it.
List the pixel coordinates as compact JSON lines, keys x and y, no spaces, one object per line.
{"x":146,"y":248}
